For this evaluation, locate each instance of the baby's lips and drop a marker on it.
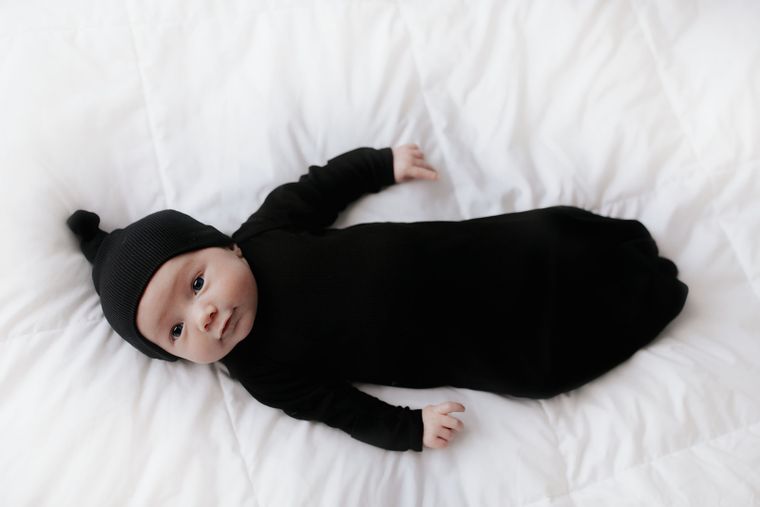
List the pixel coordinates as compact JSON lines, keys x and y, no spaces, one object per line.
{"x":226,"y":324}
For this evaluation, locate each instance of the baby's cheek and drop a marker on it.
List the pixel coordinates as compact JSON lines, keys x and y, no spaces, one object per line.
{"x":186,"y":352}
{"x":206,"y":356}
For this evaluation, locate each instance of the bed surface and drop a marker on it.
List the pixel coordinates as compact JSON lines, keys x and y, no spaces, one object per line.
{"x":633,"y":109}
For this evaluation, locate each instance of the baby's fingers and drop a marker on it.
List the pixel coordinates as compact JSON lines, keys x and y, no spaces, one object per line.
{"x":452,"y":423}
{"x":421,"y":163}
{"x":423,"y":171}
{"x":446,"y":434}
{"x":440,"y":443}
{"x":449,"y":406}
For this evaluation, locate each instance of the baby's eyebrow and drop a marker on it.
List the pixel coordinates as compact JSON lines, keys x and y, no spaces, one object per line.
{"x":178,"y":277}
{"x":161,"y":318}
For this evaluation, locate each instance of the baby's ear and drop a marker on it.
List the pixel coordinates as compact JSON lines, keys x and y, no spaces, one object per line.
{"x":236,"y":249}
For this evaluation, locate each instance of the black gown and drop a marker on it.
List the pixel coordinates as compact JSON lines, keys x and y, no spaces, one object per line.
{"x":531,"y":304}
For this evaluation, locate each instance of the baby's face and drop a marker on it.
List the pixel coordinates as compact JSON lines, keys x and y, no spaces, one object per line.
{"x":199,"y":305}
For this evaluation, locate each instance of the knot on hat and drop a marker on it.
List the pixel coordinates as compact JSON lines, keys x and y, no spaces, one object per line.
{"x":85,"y":225}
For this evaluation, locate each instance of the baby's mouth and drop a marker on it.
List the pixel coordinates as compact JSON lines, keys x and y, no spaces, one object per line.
{"x":227,"y":324}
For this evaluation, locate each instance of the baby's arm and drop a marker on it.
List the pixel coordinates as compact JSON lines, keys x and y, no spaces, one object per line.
{"x":366,"y":418}
{"x":316,"y":199}
{"x":341,"y":405}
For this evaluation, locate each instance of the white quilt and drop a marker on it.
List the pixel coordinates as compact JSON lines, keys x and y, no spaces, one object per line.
{"x":642,"y":109}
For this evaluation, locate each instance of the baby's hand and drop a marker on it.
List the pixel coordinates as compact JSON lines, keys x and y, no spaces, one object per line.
{"x":439,"y":427}
{"x":409,"y":164}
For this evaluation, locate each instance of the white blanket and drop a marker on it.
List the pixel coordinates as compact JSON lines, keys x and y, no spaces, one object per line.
{"x":635,"y":109}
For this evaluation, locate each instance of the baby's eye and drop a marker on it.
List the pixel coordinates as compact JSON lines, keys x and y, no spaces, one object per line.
{"x":198,"y":284}
{"x":176,"y":332}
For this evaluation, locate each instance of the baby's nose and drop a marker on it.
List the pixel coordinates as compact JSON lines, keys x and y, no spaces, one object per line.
{"x":206,"y":318}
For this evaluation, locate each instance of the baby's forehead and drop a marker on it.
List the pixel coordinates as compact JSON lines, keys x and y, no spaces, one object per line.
{"x":174,"y":266}
{"x":163,"y":284}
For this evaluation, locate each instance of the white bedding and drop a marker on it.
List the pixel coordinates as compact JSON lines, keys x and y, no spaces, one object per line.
{"x":637,"y":109}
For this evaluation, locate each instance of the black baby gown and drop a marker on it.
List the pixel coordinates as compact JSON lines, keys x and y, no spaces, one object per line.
{"x":530,"y":304}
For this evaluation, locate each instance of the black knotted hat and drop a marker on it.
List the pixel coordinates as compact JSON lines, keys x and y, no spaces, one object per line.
{"x":124,"y":261}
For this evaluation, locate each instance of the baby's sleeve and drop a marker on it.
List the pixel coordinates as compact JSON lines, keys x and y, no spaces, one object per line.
{"x":341,"y":405}
{"x":316,"y":199}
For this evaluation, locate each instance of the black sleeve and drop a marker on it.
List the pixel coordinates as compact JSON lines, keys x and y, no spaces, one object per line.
{"x":314,"y":201}
{"x":341,"y":405}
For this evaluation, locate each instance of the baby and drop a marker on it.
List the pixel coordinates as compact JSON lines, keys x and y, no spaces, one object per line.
{"x":529,"y":304}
